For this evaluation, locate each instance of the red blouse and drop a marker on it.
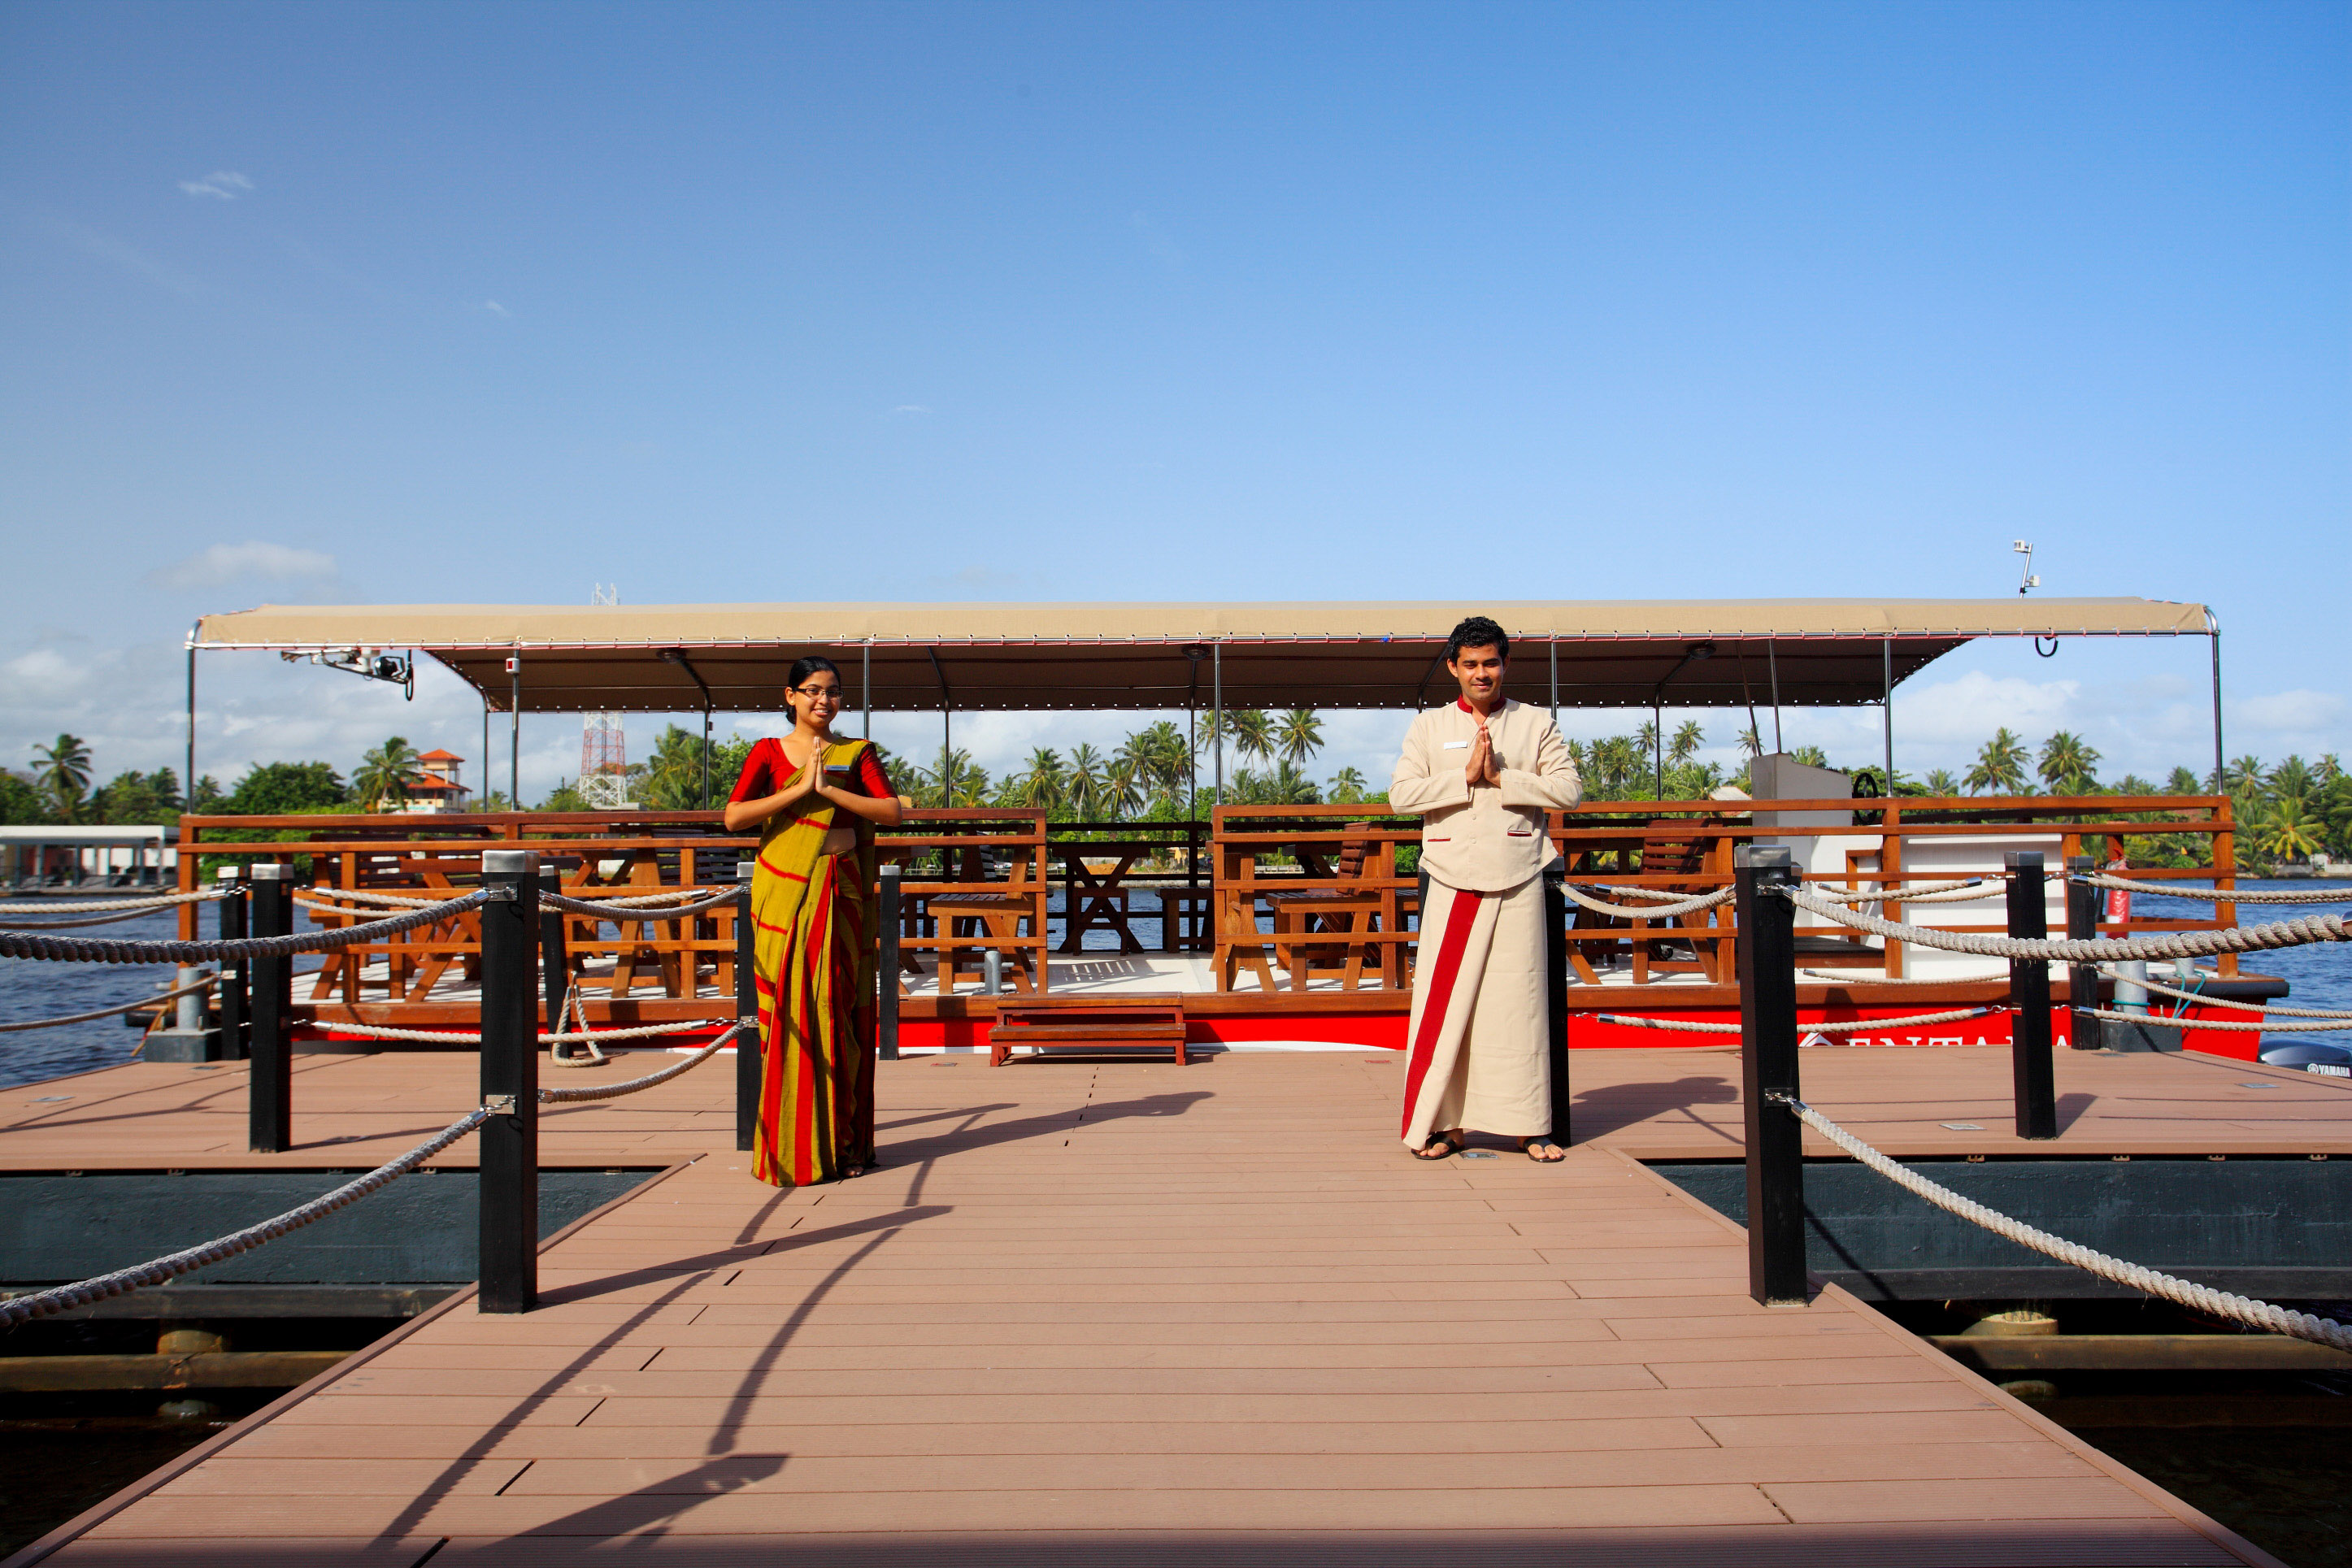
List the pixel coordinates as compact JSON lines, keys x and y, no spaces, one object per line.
{"x":767,"y":771}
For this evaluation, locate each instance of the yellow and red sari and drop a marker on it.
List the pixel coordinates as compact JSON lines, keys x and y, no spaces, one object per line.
{"x":814,"y":957}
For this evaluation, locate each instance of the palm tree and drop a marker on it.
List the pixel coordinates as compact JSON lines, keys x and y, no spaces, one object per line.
{"x":1158,"y":758}
{"x":1083,"y":788}
{"x":1252,"y":731}
{"x":1940,"y":782}
{"x":1750,"y":742}
{"x":1348,"y":787}
{"x":1125,"y":791}
{"x":1999,"y":766}
{"x":1287,"y":785}
{"x":2067,"y":764}
{"x":1299,"y":734}
{"x":2292,"y":781}
{"x":955,"y":782}
{"x":2287,"y":829}
{"x":63,"y":774}
{"x":2181,"y":781}
{"x":672,"y":777}
{"x":2244,"y":778}
{"x":1688,"y":738}
{"x":1042,"y":787}
{"x":383,"y":774}
{"x":2326,"y":770}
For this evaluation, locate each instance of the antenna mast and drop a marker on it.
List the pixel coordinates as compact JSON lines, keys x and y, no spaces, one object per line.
{"x":604,"y":743}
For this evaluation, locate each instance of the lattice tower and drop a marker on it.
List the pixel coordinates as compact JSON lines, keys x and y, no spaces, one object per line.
{"x":603,"y":743}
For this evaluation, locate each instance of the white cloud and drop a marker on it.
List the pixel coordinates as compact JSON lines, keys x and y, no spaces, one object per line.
{"x":494,"y":308}
{"x":255,"y":558}
{"x":2289,"y":713}
{"x":222,"y":185}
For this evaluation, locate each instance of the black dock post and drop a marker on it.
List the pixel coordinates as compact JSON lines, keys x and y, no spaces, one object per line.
{"x":233,"y":989}
{"x":2028,"y":992}
{"x":1768,"y":1030}
{"x":508,"y":1144}
{"x":886,"y":1001}
{"x":747,"y":1010}
{"x":2082,"y":979}
{"x":555,"y":954}
{"x":1555,"y":916}
{"x":269,"y":1091}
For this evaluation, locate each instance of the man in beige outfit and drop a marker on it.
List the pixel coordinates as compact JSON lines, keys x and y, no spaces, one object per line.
{"x":1482,"y":770}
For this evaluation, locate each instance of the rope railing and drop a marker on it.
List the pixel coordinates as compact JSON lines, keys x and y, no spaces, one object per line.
{"x":2175,"y":1021}
{"x":98,"y":950}
{"x":140,"y":912}
{"x":617,"y":909}
{"x":458,"y":1037}
{"x":157,"y":1272}
{"x":2185,"y":1292}
{"x":203,"y":985}
{"x":1681,"y":905}
{"x":94,"y":906}
{"x":2215,"y":895}
{"x":2212,"y":1002}
{"x":1846,"y":1026}
{"x":2311,"y":928}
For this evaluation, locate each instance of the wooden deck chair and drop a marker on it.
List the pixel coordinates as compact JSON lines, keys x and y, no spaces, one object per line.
{"x":993,"y":914}
{"x":1325,"y":910}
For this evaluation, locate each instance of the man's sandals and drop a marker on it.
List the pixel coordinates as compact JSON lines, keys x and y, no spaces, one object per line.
{"x":1542,"y":1150}
{"x":1440,"y":1147}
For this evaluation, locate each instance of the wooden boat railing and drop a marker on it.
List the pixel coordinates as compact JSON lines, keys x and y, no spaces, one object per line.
{"x":1605,"y":841}
{"x":595,"y":855}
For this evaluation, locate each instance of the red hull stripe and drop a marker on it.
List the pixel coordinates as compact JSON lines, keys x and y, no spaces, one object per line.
{"x":1459,"y":917}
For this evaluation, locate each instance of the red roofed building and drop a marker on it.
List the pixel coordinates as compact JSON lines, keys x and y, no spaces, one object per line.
{"x":435,"y":788}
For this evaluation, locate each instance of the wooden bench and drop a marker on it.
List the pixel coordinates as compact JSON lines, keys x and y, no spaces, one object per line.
{"x":1133,"y":1022}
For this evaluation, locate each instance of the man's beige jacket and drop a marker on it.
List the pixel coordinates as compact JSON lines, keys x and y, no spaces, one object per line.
{"x":1489,"y":839}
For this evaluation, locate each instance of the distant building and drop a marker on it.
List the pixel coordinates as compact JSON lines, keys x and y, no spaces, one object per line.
{"x":435,"y":788}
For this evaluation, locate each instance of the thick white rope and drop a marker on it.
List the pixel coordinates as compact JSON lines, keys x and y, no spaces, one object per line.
{"x":619,"y":909}
{"x":1851,"y":1026}
{"x":100,"y":906}
{"x":1848,"y":977}
{"x":105,"y":950}
{"x":575,"y":1010}
{"x":62,"y":1298}
{"x":2214,"y":894}
{"x":1646,"y":911}
{"x":202,"y":985}
{"x":2166,"y":944}
{"x":440,"y":1036}
{"x":630,"y":1086}
{"x":41,"y":1303}
{"x":1968,"y":889}
{"x":2173,"y":1021}
{"x":116,"y":919}
{"x":2202,"y":1298}
{"x":2204,"y":1001}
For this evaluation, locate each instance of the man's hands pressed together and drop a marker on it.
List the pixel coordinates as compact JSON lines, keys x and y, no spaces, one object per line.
{"x":1481,"y":769}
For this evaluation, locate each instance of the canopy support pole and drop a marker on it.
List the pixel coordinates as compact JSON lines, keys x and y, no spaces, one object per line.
{"x":2214,"y":630}
{"x":1772,"y":661}
{"x":1217,"y":711}
{"x":947,"y":732}
{"x":484,"y":761}
{"x":1658,"y":735}
{"x":1886,"y":706}
{"x":188,"y":784}
{"x":1555,"y":680}
{"x":514,"y":733}
{"x":864,"y":698}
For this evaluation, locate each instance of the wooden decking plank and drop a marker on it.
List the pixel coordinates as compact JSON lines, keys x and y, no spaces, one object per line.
{"x":1104,"y":1304}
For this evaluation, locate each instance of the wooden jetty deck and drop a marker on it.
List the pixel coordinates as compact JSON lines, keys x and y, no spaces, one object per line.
{"x":1125,"y":1312}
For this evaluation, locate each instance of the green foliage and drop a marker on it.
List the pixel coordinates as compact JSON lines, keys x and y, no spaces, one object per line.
{"x":671,"y":778}
{"x":384,"y":774}
{"x":565,"y":797}
{"x":284,"y":788}
{"x":138,"y":798}
{"x":1298,"y":734}
{"x":1999,"y":766}
{"x":2069,"y":766}
{"x":63,"y":775}
{"x":21,"y":802}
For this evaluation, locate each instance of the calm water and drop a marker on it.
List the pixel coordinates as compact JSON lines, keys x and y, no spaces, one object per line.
{"x":2321,"y":974}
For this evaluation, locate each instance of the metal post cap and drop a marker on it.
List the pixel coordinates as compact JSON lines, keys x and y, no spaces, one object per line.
{"x":743,"y":870}
{"x":270,"y":871}
{"x":1762,"y":857}
{"x":2022,"y":860}
{"x":506,"y":862}
{"x":229,"y":874}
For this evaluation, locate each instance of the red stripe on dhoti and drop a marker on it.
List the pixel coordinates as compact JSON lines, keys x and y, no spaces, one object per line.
{"x":1460,"y":914}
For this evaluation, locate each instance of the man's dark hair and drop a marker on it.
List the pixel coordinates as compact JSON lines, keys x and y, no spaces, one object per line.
{"x":1478,"y":632}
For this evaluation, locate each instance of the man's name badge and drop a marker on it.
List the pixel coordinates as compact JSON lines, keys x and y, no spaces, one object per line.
{"x":1455,"y":746}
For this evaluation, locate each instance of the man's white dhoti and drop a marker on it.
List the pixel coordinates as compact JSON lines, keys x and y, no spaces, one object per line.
{"x":1478,"y":1048}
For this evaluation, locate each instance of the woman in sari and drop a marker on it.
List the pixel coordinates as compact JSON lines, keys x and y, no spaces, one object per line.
{"x":815,"y":800}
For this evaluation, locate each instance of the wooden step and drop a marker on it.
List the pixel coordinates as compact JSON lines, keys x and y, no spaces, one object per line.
{"x":1092,"y":1023}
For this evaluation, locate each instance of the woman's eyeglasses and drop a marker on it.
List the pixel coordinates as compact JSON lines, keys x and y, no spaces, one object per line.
{"x":821,"y":693}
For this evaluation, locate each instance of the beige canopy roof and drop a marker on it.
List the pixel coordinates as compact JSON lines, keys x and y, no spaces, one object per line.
{"x":1610,"y":654}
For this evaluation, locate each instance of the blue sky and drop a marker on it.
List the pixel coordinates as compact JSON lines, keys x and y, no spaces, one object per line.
{"x":353,"y":302}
